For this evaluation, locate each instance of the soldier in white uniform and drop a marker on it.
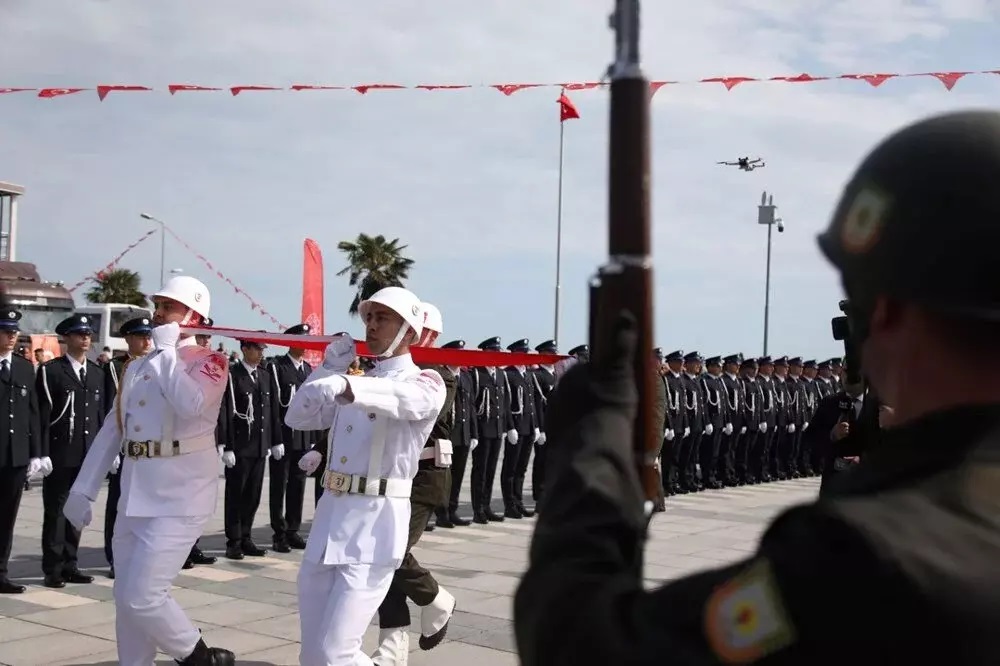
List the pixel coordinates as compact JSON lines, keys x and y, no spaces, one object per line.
{"x":378,"y":426}
{"x":164,"y":421}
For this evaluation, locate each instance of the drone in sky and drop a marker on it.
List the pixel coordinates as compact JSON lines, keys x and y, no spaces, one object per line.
{"x":746,"y":164}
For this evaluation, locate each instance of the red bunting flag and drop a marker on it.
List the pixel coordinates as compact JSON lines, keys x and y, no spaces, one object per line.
{"x":58,"y":92}
{"x":102,"y":91}
{"x":184,"y":87}
{"x":567,"y":110}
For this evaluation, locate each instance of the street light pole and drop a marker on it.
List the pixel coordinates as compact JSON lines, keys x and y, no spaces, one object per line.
{"x":163,"y":243}
{"x":765,"y":215}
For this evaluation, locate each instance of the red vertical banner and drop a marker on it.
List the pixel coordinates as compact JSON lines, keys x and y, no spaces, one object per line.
{"x":312,"y":295}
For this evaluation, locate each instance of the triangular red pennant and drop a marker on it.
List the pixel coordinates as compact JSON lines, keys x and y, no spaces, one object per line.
{"x":186,"y":87}
{"x":729,"y":81}
{"x":654,"y":87}
{"x":442,"y":87}
{"x":509,"y":89}
{"x":377,"y":86}
{"x":800,"y":78}
{"x":304,"y":87}
{"x":236,"y":90}
{"x":589,"y":85}
{"x":874,"y":79}
{"x":58,"y":92}
{"x":102,"y":91}
{"x":948,"y":79}
{"x":4,"y":91}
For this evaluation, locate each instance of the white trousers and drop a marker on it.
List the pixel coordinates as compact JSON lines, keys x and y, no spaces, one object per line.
{"x":149,"y":554}
{"x":336,"y":604}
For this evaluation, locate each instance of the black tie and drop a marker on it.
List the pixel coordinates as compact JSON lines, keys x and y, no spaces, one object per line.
{"x":83,"y":376}
{"x":253,"y":375}
{"x":5,"y":371}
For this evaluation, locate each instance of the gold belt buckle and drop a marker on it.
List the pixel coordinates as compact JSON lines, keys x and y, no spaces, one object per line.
{"x":137,"y":449}
{"x":338,"y":483}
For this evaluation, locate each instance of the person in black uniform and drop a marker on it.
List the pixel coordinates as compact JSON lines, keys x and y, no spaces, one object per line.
{"x":733,"y":395}
{"x":807,"y":454}
{"x":464,"y":434}
{"x":799,"y":409}
{"x":522,"y":433}
{"x":913,"y":534}
{"x":676,"y":425}
{"x":492,"y":421}
{"x":251,"y":414}
{"x":136,"y":333}
{"x":71,"y":405}
{"x":693,"y":400}
{"x":761,"y":456}
{"x":545,"y":382}
{"x":715,"y":422}
{"x":784,"y":419}
{"x":287,"y":483}
{"x":20,"y":437}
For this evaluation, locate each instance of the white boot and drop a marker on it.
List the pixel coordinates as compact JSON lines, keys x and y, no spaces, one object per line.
{"x":434,"y":619}
{"x":393,"y":647}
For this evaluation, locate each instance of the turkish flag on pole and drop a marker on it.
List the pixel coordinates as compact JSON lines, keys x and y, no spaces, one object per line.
{"x":312,"y":295}
{"x":567,"y":111}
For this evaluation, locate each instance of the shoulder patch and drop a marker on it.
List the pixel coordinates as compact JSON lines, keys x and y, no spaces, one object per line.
{"x":430,"y":376}
{"x":745,"y":618}
{"x":215,"y":367}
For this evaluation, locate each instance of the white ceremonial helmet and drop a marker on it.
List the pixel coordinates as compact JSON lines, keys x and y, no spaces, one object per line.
{"x":404,"y":303}
{"x":433,"y":325}
{"x":187,"y":291}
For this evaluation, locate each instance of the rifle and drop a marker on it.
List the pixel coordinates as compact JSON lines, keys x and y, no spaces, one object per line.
{"x":626,"y":280}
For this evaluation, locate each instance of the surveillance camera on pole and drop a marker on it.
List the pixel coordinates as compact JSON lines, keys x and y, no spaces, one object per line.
{"x":766,"y":216}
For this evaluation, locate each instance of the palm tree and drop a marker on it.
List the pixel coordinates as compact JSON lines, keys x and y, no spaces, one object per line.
{"x":373,"y":263}
{"x":118,"y":285}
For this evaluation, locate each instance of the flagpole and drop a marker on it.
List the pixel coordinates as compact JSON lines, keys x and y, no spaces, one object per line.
{"x":562,"y":130}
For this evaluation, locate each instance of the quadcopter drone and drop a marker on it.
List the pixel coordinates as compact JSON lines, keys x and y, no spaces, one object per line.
{"x":746,"y":164}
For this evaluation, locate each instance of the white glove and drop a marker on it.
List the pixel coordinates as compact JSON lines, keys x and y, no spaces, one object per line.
{"x":115,"y":464}
{"x":473,"y":443}
{"x":339,"y":353}
{"x":77,"y":510}
{"x":728,"y":429}
{"x":791,"y":428}
{"x":166,"y":335}
{"x":763,"y":427}
{"x":512,"y":436}
{"x":221,"y":449}
{"x":228,"y":458}
{"x":538,"y":433}
{"x":330,"y":387}
{"x":34,"y":467}
{"x":805,"y":426}
{"x":687,"y":431}
{"x":541,"y":439}
{"x":669,"y":434}
{"x":278,"y":452}
{"x":46,"y":465}
{"x":709,"y":429}
{"x":309,"y":463}
{"x":743,"y":430}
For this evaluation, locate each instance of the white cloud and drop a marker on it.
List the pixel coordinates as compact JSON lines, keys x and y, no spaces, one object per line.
{"x":466,"y":178}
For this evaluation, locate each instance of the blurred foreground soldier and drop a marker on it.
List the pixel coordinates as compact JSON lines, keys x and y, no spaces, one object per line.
{"x":165,"y":416}
{"x":902,"y":567}
{"x":379,"y":425}
{"x":20,"y":437}
{"x":136,"y":333}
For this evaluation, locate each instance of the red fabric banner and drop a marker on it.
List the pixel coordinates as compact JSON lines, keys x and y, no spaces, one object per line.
{"x":567,"y":110}
{"x":312,"y":295}
{"x":469,"y":358}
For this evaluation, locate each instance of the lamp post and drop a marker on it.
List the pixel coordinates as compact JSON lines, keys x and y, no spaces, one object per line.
{"x":765,"y":215}
{"x":163,"y":242}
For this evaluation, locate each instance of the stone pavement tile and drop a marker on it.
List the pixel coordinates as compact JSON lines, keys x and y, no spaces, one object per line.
{"x":481,"y":548}
{"x":74,"y":618}
{"x":428,"y":556}
{"x":235,"y":613}
{"x":241,"y":641}
{"x":192,"y":598}
{"x":284,"y":626}
{"x":41,"y":596}
{"x":461,"y":654}
{"x":12,"y":629}
{"x":13,"y":605}
{"x":500,"y":607}
{"x":260,"y":589}
{"x":53,"y":647}
{"x":213,"y":574}
{"x":283,"y":655}
{"x":287,"y":575}
{"x":490,"y":583}
{"x":463,"y":596}
{"x":92,"y":591}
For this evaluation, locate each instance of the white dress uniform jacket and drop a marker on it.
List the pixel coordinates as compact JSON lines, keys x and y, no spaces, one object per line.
{"x":396,"y":403}
{"x":160,"y":401}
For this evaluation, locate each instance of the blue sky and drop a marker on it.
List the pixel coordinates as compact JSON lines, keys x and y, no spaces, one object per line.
{"x":466,"y":178}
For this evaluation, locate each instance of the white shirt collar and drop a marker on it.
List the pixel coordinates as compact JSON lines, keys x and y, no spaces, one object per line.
{"x":250,"y":368}
{"x":384,"y":366}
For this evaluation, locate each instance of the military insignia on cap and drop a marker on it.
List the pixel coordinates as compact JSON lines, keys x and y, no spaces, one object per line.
{"x":415,"y":310}
{"x":197,"y":297}
{"x":863,"y":222}
{"x":83,"y":320}
{"x":145,"y":322}
{"x":11,"y":315}
{"x":745,"y":619}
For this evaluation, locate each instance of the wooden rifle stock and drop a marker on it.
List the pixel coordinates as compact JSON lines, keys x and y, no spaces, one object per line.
{"x":625,"y":282}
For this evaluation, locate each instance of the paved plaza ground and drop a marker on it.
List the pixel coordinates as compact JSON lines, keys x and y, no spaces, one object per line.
{"x":249,"y":606}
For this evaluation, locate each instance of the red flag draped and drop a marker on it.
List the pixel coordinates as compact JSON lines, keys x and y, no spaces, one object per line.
{"x":312,"y":295}
{"x":567,"y":110}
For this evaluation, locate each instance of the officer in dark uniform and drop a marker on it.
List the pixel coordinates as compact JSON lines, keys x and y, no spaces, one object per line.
{"x":287,"y":483}
{"x":136,"y":333}
{"x":837,"y":373}
{"x":492,"y":421}
{"x":715,"y":422}
{"x":761,"y":456}
{"x":910,"y":545}
{"x":800,"y":418}
{"x":251,"y":412}
{"x":810,"y":466}
{"x":520,"y":389}
{"x":733,"y":394}
{"x":71,"y":405}
{"x":20,"y":437}
{"x":545,"y":382}
{"x":464,"y":431}
{"x":659,"y":423}
{"x":676,"y":423}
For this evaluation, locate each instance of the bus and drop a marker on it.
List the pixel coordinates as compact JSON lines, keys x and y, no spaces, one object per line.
{"x":42,"y":304}
{"x":106,"y":319}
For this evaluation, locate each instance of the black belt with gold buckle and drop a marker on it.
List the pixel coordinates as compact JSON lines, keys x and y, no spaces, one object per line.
{"x":150,"y":449}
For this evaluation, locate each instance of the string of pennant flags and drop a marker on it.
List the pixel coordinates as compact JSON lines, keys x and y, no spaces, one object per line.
{"x":113,"y":263}
{"x":946,"y":78}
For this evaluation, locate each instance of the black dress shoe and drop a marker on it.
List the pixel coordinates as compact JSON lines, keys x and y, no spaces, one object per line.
{"x":480,"y":518}
{"x":234,"y":552}
{"x":206,"y":656}
{"x":250,"y":549}
{"x":512,"y":512}
{"x":198,"y":557}
{"x":445,"y":522}
{"x":111,"y":573}
{"x":429,"y":527}
{"x":527,"y":513}
{"x":280,"y":546}
{"x":188,"y":564}
{"x":493,"y":516}
{"x":7,"y":587}
{"x":295,"y":541}
{"x":77,"y":578}
{"x":458,"y":521}
{"x":54,"y":581}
